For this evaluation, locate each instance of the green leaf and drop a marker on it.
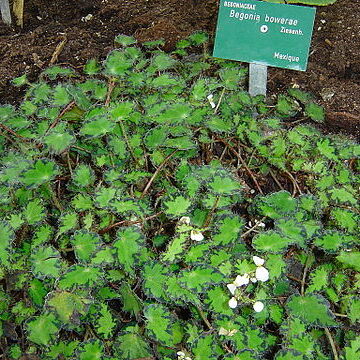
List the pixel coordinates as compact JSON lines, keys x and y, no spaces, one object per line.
{"x":41,"y":235}
{"x":65,"y":349}
{"x":92,"y":350}
{"x":311,"y":309}
{"x":220,"y":125}
{"x":162,"y":62}
{"x":156,"y":136}
{"x":176,"y":248}
{"x":68,"y":222}
{"x":155,"y":276}
{"x":345,"y":219}
{"x":343,"y":195}
{"x":229,"y":231}
{"x":177,"y":206}
{"x":315,"y":112}
{"x":352,"y":351}
{"x":319,"y":279}
{"x":54,"y":71}
{"x":231,"y":77}
{"x":350,"y":259}
{"x":99,"y":127}
{"x":200,"y":278}
{"x":6,"y":237}
{"x":58,"y":140}
{"x":354,"y":310}
{"x":288,"y":354}
{"x":105,"y":323}
{"x":326,"y":149}
{"x":218,"y":300}
{"x":85,"y":244}
{"x":43,"y":329}
{"x":175,"y":114}
{"x":103,"y":196}
{"x":199,"y":91}
{"x":103,"y":257}
{"x":45,"y":262}
{"x":224,"y":185}
{"x":91,"y":67}
{"x":180,"y":295}
{"x":285,"y":105}
{"x":271,"y":241}
{"x":67,"y":306}
{"x":198,"y":38}
{"x":125,"y":40}
{"x":332,"y":241}
{"x":180,"y":143}
{"x":41,"y":172}
{"x":131,"y":302}
{"x":131,"y":346}
{"x":311,"y":2}
{"x":161,"y":325}
{"x":20,"y":80}
{"x":276,"y":205}
{"x":82,"y":202}
{"x":205,"y":348}
{"x":60,"y":97}
{"x":300,"y":95}
{"x":117,"y":64}
{"x":79,"y":275}
{"x":121,"y":111}
{"x":34,"y":212}
{"x":164,"y":80}
{"x":129,"y":245}
{"x":291,"y":230}
{"x":37,"y":292}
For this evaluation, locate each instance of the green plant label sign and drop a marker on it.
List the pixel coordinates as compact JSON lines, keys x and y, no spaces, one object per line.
{"x":265,"y":33}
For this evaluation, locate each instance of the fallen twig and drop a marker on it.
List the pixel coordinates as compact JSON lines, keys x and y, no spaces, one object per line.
{"x":57,"y":51}
{"x":128,"y":223}
{"x":68,"y":107}
{"x":147,"y":187}
{"x":243,"y":163}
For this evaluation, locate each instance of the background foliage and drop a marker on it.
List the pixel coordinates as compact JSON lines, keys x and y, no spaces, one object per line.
{"x":130,"y":200}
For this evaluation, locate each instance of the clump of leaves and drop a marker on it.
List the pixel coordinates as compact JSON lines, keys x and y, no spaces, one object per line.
{"x":130,"y":202}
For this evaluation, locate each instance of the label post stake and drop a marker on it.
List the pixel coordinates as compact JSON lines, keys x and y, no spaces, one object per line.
{"x":257,"y":79}
{"x":5,"y":11}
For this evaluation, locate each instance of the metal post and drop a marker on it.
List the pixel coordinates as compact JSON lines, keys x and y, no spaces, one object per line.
{"x":5,"y":11}
{"x":257,"y":79}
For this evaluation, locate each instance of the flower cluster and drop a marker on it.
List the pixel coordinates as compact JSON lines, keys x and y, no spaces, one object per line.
{"x":195,"y":235}
{"x":182,"y":356}
{"x":261,"y":274}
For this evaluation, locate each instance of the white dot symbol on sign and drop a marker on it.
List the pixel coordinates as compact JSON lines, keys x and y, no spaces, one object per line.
{"x":264,"y":28}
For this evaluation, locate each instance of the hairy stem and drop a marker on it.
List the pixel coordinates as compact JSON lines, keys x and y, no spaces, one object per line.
{"x":147,"y":187}
{"x":332,"y":344}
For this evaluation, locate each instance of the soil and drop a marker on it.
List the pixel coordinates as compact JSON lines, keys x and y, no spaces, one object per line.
{"x":333,"y":74}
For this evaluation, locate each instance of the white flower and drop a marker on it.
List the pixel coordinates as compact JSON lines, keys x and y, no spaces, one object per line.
{"x":262,"y":274}
{"x":232,"y":287}
{"x":258,"y":306}
{"x":180,"y":353}
{"x":233,"y":303}
{"x":196,"y":235}
{"x":211,"y":100}
{"x":242,"y":280}
{"x":188,"y":358}
{"x":225,"y":332}
{"x":184,"y":220}
{"x":253,"y":280}
{"x":258,"y":261}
